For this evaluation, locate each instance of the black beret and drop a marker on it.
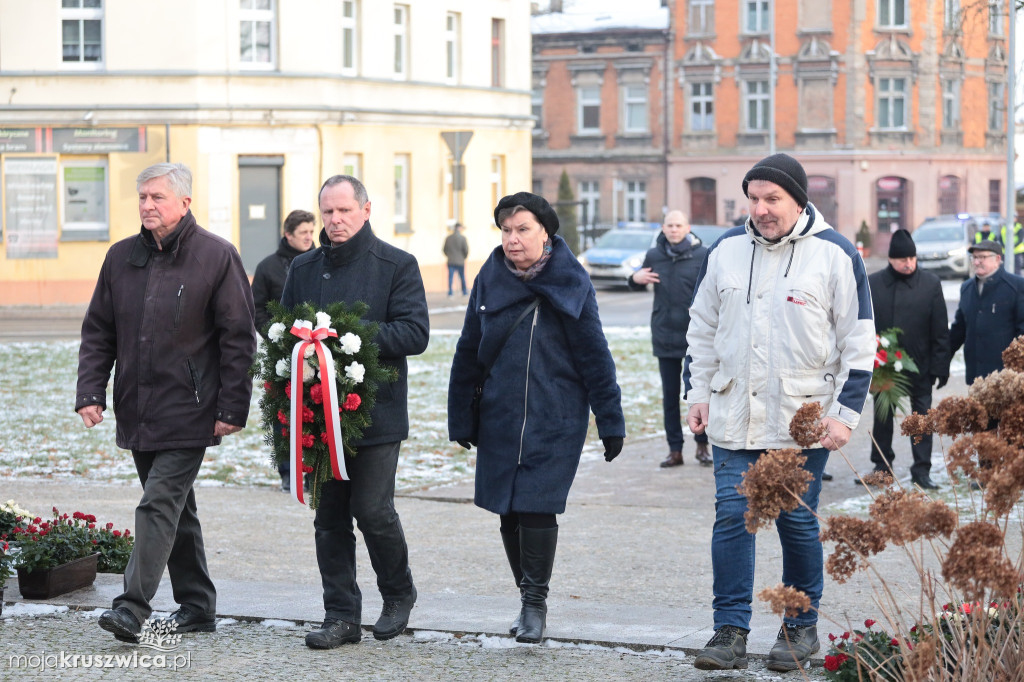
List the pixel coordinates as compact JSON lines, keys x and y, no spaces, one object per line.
{"x":537,"y":205}
{"x":784,"y":171}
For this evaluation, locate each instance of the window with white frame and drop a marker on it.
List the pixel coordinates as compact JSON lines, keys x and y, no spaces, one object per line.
{"x":401,"y":217}
{"x":756,"y":16}
{"x":951,"y":15}
{"x":996,"y":17}
{"x":892,"y":103}
{"x":497,"y":178}
{"x":350,"y":37}
{"x":892,"y":13}
{"x":452,"y":47}
{"x":950,"y":104}
{"x":636,"y":201}
{"x":588,"y":109}
{"x":256,"y":34}
{"x":702,"y":107}
{"x":401,"y":42}
{"x":634,"y":105}
{"x":996,"y":107}
{"x":82,"y":32}
{"x":497,"y":53}
{"x":352,"y":164}
{"x":590,"y":195}
{"x":756,"y":105}
{"x":701,"y":17}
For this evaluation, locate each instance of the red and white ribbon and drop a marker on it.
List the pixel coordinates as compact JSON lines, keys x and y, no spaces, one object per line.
{"x":313,"y":337}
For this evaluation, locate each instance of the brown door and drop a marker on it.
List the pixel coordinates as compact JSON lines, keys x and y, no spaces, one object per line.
{"x":703,"y":201}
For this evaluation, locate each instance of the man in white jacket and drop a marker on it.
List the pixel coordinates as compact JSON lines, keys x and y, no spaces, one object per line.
{"x":781,"y":316}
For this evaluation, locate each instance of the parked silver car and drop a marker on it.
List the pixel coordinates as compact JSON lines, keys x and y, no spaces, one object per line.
{"x":942,"y":247}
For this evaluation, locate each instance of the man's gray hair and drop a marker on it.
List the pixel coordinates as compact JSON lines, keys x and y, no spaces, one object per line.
{"x":179,"y":177}
{"x":358,"y":190}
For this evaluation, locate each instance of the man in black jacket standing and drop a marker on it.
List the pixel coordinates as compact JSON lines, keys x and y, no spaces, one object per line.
{"x":903,"y":296}
{"x":672,"y":267}
{"x":351,"y":265}
{"x":173,"y":308}
{"x":268,"y":280}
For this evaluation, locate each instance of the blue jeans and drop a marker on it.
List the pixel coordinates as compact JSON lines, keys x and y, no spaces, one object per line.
{"x":732,"y":547}
{"x":461,"y":271}
{"x":671,"y":370}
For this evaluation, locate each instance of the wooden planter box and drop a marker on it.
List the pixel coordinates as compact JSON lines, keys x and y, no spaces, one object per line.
{"x":50,"y":582}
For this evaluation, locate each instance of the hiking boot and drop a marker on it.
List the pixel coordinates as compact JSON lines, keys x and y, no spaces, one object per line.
{"x":704,"y":455}
{"x":394,"y":617}
{"x":793,"y":647}
{"x":674,"y":459}
{"x":187,"y":620}
{"x":727,"y":650}
{"x":333,"y":634}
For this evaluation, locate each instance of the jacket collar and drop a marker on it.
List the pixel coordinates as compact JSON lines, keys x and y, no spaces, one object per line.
{"x":339,"y":255}
{"x":286,"y":250}
{"x":145,"y":245}
{"x":562,"y":283}
{"x":807,"y":223}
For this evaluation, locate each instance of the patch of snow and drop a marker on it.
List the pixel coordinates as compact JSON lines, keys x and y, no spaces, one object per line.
{"x":602,"y":15}
{"x":20,"y":609}
{"x":276,"y":623}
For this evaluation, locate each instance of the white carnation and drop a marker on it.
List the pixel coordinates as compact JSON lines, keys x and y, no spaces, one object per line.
{"x":350,"y":343}
{"x":323,"y":320}
{"x":898,"y":366}
{"x":355,"y":372}
{"x":310,"y":351}
{"x":283,"y":368}
{"x":308,"y":373}
{"x":276,"y":332}
{"x":884,"y":341}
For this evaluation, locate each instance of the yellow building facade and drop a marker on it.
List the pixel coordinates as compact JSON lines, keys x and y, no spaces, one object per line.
{"x":263,"y":100}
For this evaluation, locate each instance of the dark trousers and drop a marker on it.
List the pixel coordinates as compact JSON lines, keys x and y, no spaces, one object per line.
{"x":369,"y":498}
{"x":671,"y":390}
{"x":920,"y":402}
{"x":461,"y":271}
{"x":167,"y":533}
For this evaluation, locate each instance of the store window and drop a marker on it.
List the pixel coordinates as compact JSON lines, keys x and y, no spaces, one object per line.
{"x":84,"y":201}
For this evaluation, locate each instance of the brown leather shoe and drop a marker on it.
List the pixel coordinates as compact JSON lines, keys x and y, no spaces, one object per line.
{"x":704,"y":455}
{"x":674,"y":459}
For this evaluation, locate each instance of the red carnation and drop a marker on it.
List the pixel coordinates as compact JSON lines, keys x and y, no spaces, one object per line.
{"x":899,"y":355}
{"x":307,"y":415}
{"x":352,"y":402}
{"x":117,"y":533}
{"x":894,"y":642}
{"x":267,"y":386}
{"x":306,"y":469}
{"x":288,"y":389}
{"x":308,"y":440}
{"x":90,"y":518}
{"x":323,"y":437}
{"x":282,"y":417}
{"x":316,"y":394}
{"x":868,"y":623}
{"x":91,"y":526}
{"x":832,"y":663}
{"x":284,"y":432}
{"x":110,"y":524}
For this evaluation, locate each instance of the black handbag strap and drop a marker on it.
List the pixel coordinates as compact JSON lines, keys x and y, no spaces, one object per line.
{"x":508,"y":335}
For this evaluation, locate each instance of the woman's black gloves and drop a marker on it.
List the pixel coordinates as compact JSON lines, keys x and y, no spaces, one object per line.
{"x":612,"y":447}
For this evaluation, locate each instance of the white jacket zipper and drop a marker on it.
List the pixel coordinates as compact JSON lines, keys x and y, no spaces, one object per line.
{"x":526,"y":390}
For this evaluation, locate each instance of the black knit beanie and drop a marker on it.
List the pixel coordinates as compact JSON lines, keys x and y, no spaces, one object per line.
{"x":902,"y":245}
{"x":537,"y":205}
{"x":784,"y":171}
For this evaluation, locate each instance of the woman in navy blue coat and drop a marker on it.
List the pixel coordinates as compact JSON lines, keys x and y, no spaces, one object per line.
{"x":554,"y":368}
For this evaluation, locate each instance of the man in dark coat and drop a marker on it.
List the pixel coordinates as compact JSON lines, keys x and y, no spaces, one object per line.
{"x":456,"y":250}
{"x":672,"y":267}
{"x":990,"y":314}
{"x":904,"y":296}
{"x":352,"y":265}
{"x":268,"y":280}
{"x":172,"y":308}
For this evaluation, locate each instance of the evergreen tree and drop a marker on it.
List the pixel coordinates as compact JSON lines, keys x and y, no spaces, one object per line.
{"x":566,"y":209}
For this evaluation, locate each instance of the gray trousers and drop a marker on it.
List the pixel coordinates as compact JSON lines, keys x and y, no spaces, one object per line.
{"x":369,"y":498}
{"x":167,"y":533}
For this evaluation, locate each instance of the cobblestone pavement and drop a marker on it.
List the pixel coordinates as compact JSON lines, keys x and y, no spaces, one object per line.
{"x":274,"y":650}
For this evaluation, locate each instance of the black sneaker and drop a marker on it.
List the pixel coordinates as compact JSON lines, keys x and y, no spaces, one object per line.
{"x":189,"y":620}
{"x":333,"y":634}
{"x":727,"y":650}
{"x":793,"y":647}
{"x":122,"y":623}
{"x":394,"y":617}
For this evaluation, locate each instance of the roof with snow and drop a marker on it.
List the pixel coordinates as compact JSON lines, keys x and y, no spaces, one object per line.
{"x":588,"y":16}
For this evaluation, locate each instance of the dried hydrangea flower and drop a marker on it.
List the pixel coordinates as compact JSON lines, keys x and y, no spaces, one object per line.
{"x":774,"y":483}
{"x":1013,"y":356}
{"x":881,"y":479}
{"x":856,"y":540}
{"x":975,"y":562}
{"x":917,"y":425}
{"x":956,"y":415}
{"x":906,"y":516}
{"x":806,"y":427}
{"x":999,"y":392}
{"x":785,"y":600}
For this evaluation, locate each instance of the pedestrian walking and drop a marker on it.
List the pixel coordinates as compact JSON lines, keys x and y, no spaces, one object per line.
{"x":456,"y":250}
{"x":173,"y":312}
{"x":904,"y":296}
{"x":352,"y":264}
{"x":782,"y":316}
{"x":990,"y":314}
{"x":672,"y":266}
{"x":533,"y":350}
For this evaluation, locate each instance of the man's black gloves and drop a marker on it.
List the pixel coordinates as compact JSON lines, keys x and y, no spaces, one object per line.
{"x":939,"y":381}
{"x":465,"y":443}
{"x":612,"y":447}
